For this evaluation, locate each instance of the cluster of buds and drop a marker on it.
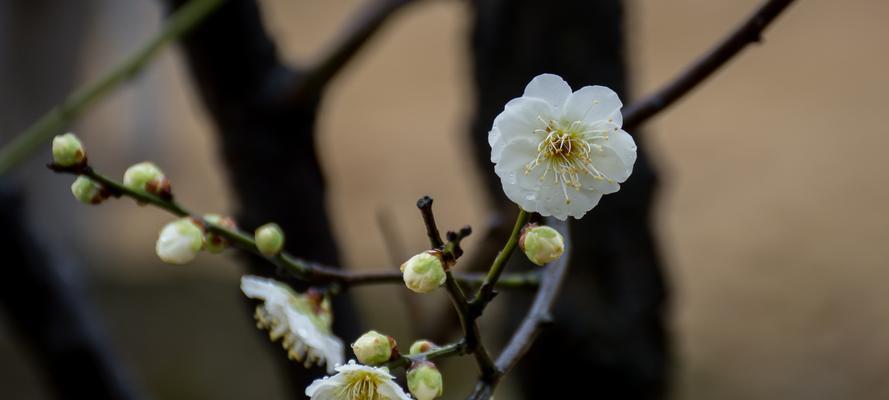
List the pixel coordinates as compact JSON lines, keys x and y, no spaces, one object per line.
{"x":541,"y":244}
{"x":424,"y":380}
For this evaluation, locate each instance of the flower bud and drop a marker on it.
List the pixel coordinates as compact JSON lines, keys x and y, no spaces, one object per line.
{"x":541,"y":244}
{"x":424,"y":381}
{"x":179,"y":241}
{"x":373,"y":348}
{"x":422,"y":346}
{"x":423,"y":272}
{"x":87,"y":191}
{"x":67,"y":151}
{"x":148,"y":177}
{"x":213,"y":242}
{"x":269,"y":239}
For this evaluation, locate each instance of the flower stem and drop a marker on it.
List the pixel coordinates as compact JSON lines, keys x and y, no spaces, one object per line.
{"x":56,"y":119}
{"x":486,"y":292}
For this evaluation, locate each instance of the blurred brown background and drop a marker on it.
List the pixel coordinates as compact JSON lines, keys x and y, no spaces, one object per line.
{"x":773,"y":217}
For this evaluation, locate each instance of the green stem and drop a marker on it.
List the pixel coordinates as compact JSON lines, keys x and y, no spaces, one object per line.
{"x":486,"y":291}
{"x":448,"y":350}
{"x":308,"y":271}
{"x":187,"y":17}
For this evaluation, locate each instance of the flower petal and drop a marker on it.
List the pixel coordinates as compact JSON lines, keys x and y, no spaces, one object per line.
{"x":592,"y":104}
{"x":521,"y":117}
{"x":551,"y":88}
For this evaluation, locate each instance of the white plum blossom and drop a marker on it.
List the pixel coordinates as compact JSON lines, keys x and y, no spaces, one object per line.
{"x":557,"y":151}
{"x":357,"y":382}
{"x":301,"y":321}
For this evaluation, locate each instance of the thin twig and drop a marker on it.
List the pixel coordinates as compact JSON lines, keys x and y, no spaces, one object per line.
{"x":750,"y":31}
{"x":51,"y":123}
{"x":306,"y":270}
{"x":368,"y":21}
{"x":451,"y":252}
{"x":457,"y":348}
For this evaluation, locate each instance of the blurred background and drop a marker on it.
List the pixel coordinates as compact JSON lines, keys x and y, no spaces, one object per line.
{"x":772,"y":215}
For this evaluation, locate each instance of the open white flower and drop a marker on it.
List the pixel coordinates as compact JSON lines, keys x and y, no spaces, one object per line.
{"x":357,"y":382}
{"x":302,"y":320}
{"x":557,"y":152}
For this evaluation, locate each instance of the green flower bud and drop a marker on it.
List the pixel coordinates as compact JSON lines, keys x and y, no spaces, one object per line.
{"x":148,"y":177}
{"x":87,"y":191}
{"x":213,"y":242}
{"x":422,"y":346}
{"x":373,"y":348}
{"x":180,"y":241}
{"x":67,"y":151}
{"x":269,"y":239}
{"x":541,"y":244}
{"x":424,"y":381}
{"x":424,"y":272}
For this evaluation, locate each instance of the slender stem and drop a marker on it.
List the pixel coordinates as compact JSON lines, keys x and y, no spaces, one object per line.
{"x":368,"y":20}
{"x":486,"y":291}
{"x":748,"y":32}
{"x":56,"y":119}
{"x":306,"y":270}
{"x":457,"y":348}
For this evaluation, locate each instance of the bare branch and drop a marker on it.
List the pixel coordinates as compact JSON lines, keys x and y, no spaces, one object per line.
{"x":368,"y":21}
{"x":748,"y":32}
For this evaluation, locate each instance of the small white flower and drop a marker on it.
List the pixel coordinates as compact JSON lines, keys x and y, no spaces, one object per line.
{"x":179,"y":242}
{"x":302,"y":320}
{"x":357,"y":382}
{"x":557,"y":152}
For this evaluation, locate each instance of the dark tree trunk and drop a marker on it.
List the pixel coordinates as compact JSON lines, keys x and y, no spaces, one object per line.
{"x":610,"y":335}
{"x":268,"y":146}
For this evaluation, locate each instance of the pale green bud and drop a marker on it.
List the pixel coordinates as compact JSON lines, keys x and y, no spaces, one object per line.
{"x":424,"y":381}
{"x":541,"y":244}
{"x":422,"y":346}
{"x":423,"y":272}
{"x":180,"y":241}
{"x":373,"y":348}
{"x":148,"y":177}
{"x":213,"y":242}
{"x":67,"y":150}
{"x":269,"y":239}
{"x":87,"y":191}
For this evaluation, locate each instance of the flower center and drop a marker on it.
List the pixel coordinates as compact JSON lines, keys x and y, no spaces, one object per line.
{"x":362,"y":385}
{"x":566,"y":151}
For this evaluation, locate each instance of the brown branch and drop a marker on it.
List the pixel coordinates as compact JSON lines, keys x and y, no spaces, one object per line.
{"x":308,"y":271}
{"x":537,"y":318}
{"x":750,"y":31}
{"x":368,"y":21}
{"x":451,"y":252}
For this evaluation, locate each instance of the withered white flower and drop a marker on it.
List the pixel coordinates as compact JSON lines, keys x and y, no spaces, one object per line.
{"x":557,"y":151}
{"x":357,"y":382}
{"x":302,"y":321}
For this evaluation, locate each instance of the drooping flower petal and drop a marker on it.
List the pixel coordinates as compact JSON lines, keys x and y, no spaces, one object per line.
{"x":301,"y":321}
